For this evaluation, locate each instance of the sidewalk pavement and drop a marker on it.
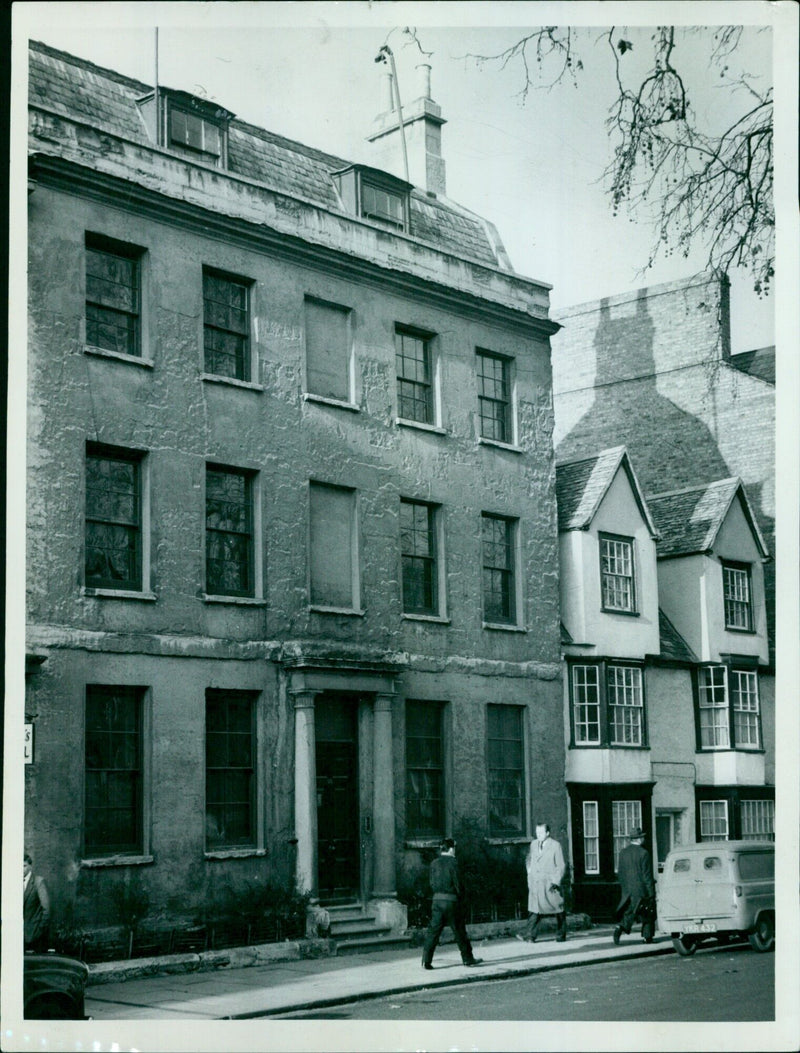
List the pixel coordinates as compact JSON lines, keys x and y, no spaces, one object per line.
{"x":291,"y":986}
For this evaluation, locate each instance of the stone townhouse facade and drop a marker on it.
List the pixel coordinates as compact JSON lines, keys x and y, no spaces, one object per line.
{"x":291,"y":524}
{"x":668,"y":698}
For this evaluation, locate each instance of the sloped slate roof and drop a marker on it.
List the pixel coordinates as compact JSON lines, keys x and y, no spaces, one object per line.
{"x":106,"y":99}
{"x":760,"y":363}
{"x":672,"y":644}
{"x":689,"y":520}
{"x":582,"y":484}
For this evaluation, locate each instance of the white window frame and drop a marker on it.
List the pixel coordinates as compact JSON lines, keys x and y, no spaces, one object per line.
{"x":578,"y":705}
{"x":723,"y":815}
{"x":625,"y":815}
{"x":737,"y":590}
{"x":591,"y":837}
{"x":618,"y":552}
{"x":713,"y":708}
{"x":760,"y":812}
{"x":745,"y":708}
{"x":630,"y":710}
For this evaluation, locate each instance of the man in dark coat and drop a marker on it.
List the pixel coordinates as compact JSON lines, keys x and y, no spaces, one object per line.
{"x":447,"y":906}
{"x":635,"y":873}
{"x":35,"y":908}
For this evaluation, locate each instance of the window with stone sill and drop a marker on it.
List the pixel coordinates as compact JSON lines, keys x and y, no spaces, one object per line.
{"x":494,"y":397}
{"x":113,"y":526}
{"x":113,"y":771}
{"x":415,"y":376}
{"x":498,"y":538}
{"x":113,"y":295}
{"x":419,"y":557}
{"x":226,"y":325}
{"x":230,"y":769}
{"x":425,"y":773}
{"x":229,"y":532}
{"x":506,"y":770}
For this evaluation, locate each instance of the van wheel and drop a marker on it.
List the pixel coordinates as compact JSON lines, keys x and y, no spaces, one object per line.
{"x":684,"y":945}
{"x":763,"y":939}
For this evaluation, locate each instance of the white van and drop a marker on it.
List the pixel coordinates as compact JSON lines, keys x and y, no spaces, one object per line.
{"x":718,"y":889}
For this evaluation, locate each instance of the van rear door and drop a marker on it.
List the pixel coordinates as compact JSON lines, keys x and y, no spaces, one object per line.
{"x":677,"y":896}
{"x":714,"y":885}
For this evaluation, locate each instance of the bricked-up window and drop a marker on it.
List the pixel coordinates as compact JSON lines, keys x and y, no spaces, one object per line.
{"x":113,"y":541}
{"x":713,"y":820}
{"x":425,"y":801}
{"x":333,"y":556}
{"x":494,"y":396}
{"x":229,"y":531}
{"x":385,"y":206}
{"x":728,"y":708}
{"x":113,"y":297}
{"x":616,"y":573}
{"x":113,"y":771}
{"x":738,"y":597}
{"x":591,"y":838}
{"x":625,"y":705}
{"x":758,"y":820}
{"x":625,"y":815}
{"x":506,"y":771}
{"x":414,"y":376}
{"x":230,"y":769}
{"x":328,"y":344}
{"x":499,"y":591}
{"x":226,"y":325}
{"x":418,"y":547}
{"x":190,"y":131}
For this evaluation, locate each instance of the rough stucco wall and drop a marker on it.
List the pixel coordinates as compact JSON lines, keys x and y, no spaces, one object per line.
{"x":182,"y":422}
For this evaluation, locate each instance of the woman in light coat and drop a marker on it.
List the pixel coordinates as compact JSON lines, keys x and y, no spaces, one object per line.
{"x":546,"y":868}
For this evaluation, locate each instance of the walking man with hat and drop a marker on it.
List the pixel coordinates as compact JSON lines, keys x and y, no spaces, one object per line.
{"x":635,"y":874}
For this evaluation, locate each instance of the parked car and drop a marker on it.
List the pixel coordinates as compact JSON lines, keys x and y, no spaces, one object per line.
{"x":722,"y":890}
{"x":53,"y":987}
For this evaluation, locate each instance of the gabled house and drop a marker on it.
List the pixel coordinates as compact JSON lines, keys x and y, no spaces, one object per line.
{"x":668,"y":711}
{"x":609,"y":609}
{"x":711,"y":560}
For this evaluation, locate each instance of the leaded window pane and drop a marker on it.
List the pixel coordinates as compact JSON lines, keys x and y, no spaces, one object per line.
{"x":229,"y":536}
{"x":758,"y":820}
{"x":113,"y":522}
{"x":112,"y":301}
{"x":226,"y":326}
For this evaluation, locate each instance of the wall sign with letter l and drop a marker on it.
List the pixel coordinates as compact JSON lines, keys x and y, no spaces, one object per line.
{"x":28,"y":743}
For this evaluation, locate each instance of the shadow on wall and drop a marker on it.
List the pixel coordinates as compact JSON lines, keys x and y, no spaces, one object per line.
{"x":670,"y":448}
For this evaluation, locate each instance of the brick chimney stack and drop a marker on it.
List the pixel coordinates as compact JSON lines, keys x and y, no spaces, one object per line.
{"x":422,"y":121}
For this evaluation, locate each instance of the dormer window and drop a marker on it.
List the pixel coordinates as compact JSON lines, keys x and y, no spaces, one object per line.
{"x":616,"y":574}
{"x":375,"y":195}
{"x":197,"y":128}
{"x":738,"y":597}
{"x":194,"y":132}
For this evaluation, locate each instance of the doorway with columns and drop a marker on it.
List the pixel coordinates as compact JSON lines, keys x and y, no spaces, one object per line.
{"x":344,"y":782}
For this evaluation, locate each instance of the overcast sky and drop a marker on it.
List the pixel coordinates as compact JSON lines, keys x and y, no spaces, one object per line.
{"x":533,"y":167}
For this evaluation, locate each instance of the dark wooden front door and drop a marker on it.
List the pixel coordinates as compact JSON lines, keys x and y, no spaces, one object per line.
{"x":337,"y":796}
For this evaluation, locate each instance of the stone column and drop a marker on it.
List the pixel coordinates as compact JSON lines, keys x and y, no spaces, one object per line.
{"x":305,"y":792}
{"x":383,"y":800}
